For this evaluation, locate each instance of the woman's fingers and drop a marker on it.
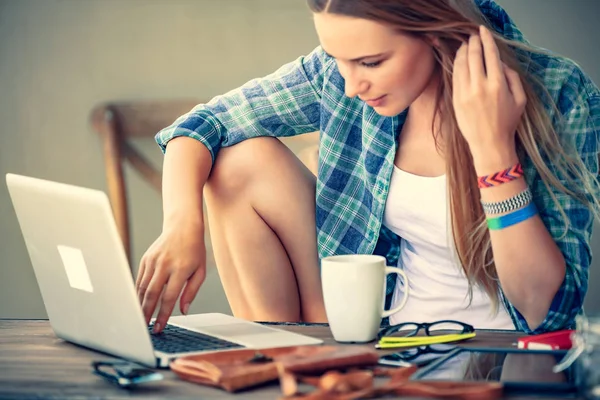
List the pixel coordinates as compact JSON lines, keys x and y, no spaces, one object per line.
{"x":144,"y":278}
{"x":191,"y":289}
{"x":515,"y":86}
{"x":168,"y":299}
{"x":493,"y":64}
{"x":475,"y":60}
{"x":153,"y":293}
{"x":140,"y":274}
{"x":460,"y":69}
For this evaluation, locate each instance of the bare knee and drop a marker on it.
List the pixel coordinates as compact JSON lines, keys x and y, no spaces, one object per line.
{"x":241,"y":165}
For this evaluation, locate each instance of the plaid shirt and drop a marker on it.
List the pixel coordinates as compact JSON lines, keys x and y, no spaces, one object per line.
{"x":357,"y":149}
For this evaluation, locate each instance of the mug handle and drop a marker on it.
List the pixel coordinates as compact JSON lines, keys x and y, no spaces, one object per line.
{"x":395,"y":270}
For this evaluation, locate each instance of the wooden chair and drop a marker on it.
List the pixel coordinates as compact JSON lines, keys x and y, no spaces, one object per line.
{"x":116,"y":123}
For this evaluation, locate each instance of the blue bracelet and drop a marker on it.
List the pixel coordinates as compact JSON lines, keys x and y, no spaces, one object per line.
{"x":513,"y":218}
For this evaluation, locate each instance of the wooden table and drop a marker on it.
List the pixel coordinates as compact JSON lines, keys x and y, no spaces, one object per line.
{"x":34,"y":363}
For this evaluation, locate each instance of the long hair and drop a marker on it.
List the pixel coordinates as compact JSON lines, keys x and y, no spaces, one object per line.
{"x":452,"y":22}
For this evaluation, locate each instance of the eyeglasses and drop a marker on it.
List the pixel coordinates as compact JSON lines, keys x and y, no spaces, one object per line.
{"x":405,"y":334}
{"x":124,"y":373}
{"x":414,"y":352}
{"x":418,"y":356}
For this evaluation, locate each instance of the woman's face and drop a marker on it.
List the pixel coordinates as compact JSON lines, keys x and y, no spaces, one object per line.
{"x":386,"y":69}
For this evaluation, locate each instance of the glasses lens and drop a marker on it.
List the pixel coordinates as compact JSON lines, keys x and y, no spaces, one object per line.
{"x":446,"y":328}
{"x":410,"y":353}
{"x":403,"y":330}
{"x":405,"y":355}
{"x":441,"y":347}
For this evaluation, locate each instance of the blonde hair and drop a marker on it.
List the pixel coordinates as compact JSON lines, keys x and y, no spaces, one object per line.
{"x":451,"y":22}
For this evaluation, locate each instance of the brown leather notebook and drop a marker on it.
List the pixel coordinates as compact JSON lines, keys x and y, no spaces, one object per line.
{"x":240,"y":369}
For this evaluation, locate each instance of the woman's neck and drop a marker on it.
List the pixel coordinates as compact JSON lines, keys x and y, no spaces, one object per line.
{"x":422,"y":110}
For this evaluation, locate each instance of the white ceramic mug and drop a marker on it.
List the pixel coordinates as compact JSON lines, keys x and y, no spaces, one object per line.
{"x":354,"y":290}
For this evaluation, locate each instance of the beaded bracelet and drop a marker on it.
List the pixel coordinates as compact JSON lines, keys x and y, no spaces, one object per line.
{"x":511,"y":204}
{"x":513,"y":218}
{"x":498,"y":178}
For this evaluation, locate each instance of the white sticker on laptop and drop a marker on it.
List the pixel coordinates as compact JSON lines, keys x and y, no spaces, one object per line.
{"x":77,"y":272}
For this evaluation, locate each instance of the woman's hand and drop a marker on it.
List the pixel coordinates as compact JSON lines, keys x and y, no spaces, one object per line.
{"x":489,"y":101}
{"x":175,"y":259}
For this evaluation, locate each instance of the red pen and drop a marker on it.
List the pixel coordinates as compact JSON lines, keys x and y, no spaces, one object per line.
{"x":558,"y":340}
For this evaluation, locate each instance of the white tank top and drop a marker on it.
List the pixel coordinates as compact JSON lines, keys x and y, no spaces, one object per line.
{"x":417,"y":211}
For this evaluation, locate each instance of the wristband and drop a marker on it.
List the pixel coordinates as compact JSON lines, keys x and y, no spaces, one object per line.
{"x":498,"y":178}
{"x":513,"y":218}
{"x":511,"y":204}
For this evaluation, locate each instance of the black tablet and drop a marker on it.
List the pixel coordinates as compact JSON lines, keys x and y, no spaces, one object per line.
{"x":520,"y":371}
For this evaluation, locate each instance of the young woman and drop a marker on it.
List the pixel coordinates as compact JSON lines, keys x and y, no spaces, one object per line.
{"x":448,"y":144}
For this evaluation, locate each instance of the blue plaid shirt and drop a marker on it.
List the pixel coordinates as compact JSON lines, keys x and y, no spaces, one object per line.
{"x":357,"y":149}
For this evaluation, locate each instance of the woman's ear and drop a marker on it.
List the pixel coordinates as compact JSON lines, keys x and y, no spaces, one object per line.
{"x":433,"y":41}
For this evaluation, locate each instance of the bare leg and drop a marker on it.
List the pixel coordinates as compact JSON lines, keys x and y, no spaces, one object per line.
{"x":261,"y":212}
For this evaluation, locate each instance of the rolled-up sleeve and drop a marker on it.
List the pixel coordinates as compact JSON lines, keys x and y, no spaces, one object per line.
{"x":572,"y":230}
{"x":284,"y":103}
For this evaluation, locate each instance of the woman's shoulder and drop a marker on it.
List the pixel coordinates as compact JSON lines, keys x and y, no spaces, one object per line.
{"x":321,"y":70}
{"x":331,"y":75}
{"x":572,"y":101}
{"x":318,"y":62}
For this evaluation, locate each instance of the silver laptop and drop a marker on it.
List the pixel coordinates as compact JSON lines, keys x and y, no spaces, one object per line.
{"x":88,"y":291}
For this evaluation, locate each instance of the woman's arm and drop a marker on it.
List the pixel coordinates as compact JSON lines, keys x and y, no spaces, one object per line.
{"x":542,"y":262}
{"x":530,"y":265}
{"x":182,"y":192}
{"x":284,"y":103}
{"x":177,"y":257}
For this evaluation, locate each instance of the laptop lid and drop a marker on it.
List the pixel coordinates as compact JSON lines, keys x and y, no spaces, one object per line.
{"x":86,"y":284}
{"x":81,"y":267}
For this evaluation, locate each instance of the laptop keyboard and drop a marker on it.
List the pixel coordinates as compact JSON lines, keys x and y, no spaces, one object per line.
{"x":174,"y":339}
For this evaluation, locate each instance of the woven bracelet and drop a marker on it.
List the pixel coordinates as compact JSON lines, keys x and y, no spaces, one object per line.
{"x":498,"y":178}
{"x":514,"y":203}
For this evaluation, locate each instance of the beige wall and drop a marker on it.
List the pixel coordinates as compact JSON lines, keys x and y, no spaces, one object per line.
{"x":58,"y":59}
